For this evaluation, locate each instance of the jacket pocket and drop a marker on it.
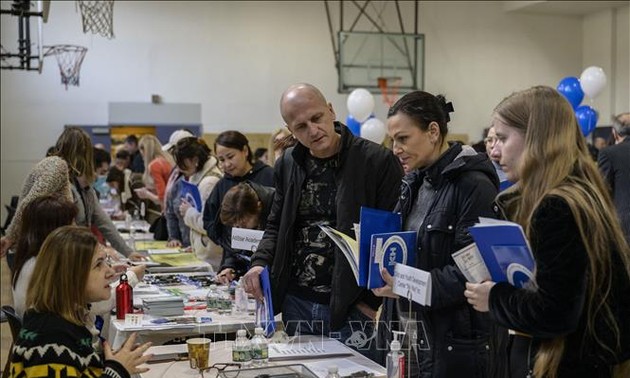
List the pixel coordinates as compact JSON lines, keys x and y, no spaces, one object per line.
{"x":439,"y":228}
{"x":462,"y":358}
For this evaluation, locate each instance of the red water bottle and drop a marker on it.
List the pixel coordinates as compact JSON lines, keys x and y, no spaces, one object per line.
{"x":124,"y":298}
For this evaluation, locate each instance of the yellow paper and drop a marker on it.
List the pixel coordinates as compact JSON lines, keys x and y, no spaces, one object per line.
{"x":177,"y":259}
{"x":143,"y":245}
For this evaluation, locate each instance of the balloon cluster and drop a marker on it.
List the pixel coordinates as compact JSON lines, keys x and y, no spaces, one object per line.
{"x":361,"y":120}
{"x":590,"y":83}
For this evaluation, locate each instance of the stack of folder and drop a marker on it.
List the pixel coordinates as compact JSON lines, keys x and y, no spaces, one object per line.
{"x":163,"y":306}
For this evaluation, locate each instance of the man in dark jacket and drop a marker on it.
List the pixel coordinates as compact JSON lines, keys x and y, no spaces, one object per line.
{"x":614,"y":163}
{"x":324,"y":179}
{"x":131,"y":145}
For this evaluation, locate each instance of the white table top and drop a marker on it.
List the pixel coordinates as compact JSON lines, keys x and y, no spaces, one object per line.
{"x":220,"y":352}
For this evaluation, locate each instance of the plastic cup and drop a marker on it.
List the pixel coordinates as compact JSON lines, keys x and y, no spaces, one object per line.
{"x":199,"y":352}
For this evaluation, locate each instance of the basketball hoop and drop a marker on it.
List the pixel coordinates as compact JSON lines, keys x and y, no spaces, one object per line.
{"x":69,"y":59}
{"x":389,"y":89}
{"x":97,"y":16}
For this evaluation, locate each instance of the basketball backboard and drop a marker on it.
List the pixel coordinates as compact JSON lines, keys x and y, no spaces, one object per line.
{"x":364,"y":57}
{"x":22,"y":46}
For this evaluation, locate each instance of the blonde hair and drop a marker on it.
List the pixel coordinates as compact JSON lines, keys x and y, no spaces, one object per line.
{"x":75,"y":147}
{"x":556,"y":162}
{"x":61,"y":273}
{"x":284,"y":133}
{"x":152,"y":149}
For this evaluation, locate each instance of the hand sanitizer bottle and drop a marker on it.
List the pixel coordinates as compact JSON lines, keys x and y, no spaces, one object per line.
{"x":395,"y":359}
{"x":333,"y":372}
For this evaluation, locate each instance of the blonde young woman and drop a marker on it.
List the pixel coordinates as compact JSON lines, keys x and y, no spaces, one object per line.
{"x":576,"y":323}
{"x":157,"y":169}
{"x":280,"y":140}
{"x":71,"y":271}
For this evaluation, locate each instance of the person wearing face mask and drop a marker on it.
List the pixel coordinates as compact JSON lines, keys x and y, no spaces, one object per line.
{"x":102,"y":160}
{"x":236,"y":161}
{"x":447,"y":187}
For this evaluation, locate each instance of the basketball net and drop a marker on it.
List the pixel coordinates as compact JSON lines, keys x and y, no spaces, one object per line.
{"x":389,"y":89}
{"x":69,"y":59}
{"x":97,"y":16}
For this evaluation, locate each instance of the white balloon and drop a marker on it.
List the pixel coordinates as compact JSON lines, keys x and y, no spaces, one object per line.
{"x":374,"y":129}
{"x":592,"y":81}
{"x":360,"y":104}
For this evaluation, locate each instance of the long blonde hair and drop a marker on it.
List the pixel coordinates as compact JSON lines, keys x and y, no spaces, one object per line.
{"x":556,"y":162}
{"x":151,"y":150}
{"x":61,"y":273}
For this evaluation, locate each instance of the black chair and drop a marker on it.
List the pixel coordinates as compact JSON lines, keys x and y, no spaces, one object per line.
{"x":15,"y":323}
{"x":10,"y":212}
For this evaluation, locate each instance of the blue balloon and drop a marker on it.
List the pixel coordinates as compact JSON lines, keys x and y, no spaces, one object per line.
{"x":587,"y":118}
{"x":571,"y":89}
{"x":353,"y":125}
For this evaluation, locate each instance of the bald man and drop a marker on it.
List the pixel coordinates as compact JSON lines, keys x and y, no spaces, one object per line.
{"x":324,"y":179}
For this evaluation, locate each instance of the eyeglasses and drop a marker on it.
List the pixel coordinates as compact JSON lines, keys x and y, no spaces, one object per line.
{"x":225,"y":369}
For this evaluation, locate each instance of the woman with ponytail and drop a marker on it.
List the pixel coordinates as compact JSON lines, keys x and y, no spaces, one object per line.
{"x":447,"y":187}
{"x":575,"y":322}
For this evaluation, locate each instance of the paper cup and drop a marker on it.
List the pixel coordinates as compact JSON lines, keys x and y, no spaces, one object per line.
{"x":199,"y":352}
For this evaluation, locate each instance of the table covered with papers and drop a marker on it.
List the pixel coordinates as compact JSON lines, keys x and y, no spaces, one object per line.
{"x":174,"y":306}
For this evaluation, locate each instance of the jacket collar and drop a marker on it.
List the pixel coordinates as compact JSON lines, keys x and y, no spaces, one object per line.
{"x":210,"y":164}
{"x":434,"y":172}
{"x":455,"y":160}
{"x":258,"y":165}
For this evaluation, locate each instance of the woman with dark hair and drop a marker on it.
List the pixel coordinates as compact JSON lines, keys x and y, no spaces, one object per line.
{"x":247,"y":205}
{"x":40,"y":218}
{"x":198,"y":167}
{"x":235,"y":158}
{"x":71,"y":272}
{"x":447,"y":187}
{"x":575,"y":320}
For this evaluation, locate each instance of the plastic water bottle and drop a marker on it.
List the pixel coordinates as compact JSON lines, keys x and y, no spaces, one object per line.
{"x":212,"y":298}
{"x":240,"y":299}
{"x":333,"y":372}
{"x":260,"y":348}
{"x":224,"y":302}
{"x":242,"y":349}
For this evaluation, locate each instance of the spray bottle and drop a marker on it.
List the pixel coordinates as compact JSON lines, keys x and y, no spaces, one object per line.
{"x":395,"y":358}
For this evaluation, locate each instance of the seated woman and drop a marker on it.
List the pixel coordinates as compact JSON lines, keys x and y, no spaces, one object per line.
{"x":235,"y":158}
{"x":39,"y":218}
{"x":246,"y":205}
{"x":71,"y":271}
